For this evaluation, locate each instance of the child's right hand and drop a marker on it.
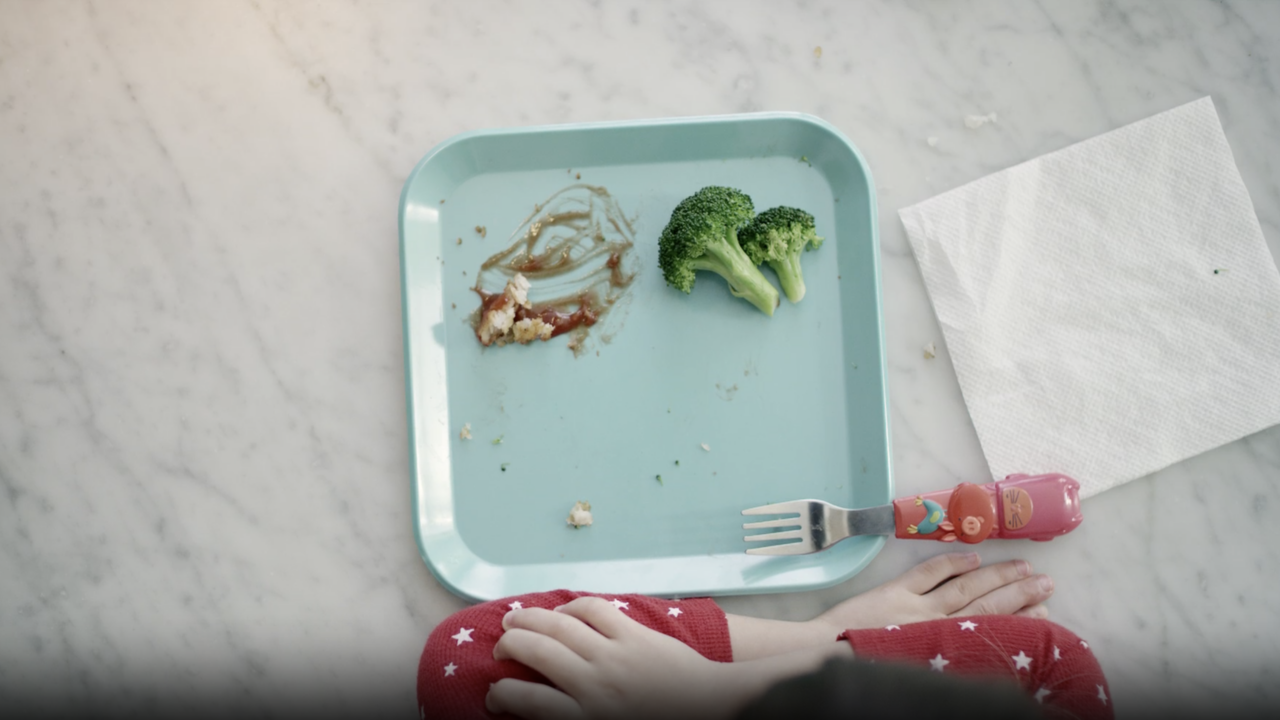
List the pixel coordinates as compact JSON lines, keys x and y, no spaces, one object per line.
{"x":951,"y":585}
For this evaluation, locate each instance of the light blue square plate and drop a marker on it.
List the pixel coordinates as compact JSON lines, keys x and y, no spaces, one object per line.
{"x":792,"y":406}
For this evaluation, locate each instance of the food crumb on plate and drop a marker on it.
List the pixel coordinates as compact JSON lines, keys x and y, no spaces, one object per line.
{"x":705,"y":446}
{"x":466,"y":432}
{"x":930,"y":351}
{"x":580,"y":515}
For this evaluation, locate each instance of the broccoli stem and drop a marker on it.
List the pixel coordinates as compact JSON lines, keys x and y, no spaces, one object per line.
{"x":727,"y":260}
{"x":789,"y":276}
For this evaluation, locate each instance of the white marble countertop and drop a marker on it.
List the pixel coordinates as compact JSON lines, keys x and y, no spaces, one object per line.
{"x":203,"y":451}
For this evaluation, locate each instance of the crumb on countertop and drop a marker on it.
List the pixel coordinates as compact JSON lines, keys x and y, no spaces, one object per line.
{"x":974,"y":122}
{"x":466,"y":431}
{"x":930,"y":351}
{"x":705,"y":446}
{"x":580,"y":515}
{"x":481,"y":231}
{"x":498,"y":440}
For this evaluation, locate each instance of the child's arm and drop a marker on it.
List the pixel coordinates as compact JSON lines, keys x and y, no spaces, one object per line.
{"x":605,"y":664}
{"x":951,"y":585}
{"x":457,"y":667}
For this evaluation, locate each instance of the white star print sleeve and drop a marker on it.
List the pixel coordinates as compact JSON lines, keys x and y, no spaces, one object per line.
{"x":1054,"y":667}
{"x":457,"y":665}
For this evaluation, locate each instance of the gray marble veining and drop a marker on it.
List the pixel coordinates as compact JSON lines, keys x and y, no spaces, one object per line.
{"x":203,"y":459}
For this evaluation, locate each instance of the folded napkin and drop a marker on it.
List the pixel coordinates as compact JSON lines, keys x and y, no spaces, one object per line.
{"x":1110,"y":308}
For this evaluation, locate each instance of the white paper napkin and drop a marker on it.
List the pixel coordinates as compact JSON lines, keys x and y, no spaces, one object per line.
{"x":1110,"y":308}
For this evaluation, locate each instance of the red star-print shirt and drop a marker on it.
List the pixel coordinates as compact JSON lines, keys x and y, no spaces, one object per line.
{"x":1048,"y":661}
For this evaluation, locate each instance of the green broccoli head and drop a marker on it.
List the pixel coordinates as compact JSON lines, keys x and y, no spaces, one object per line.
{"x":703,"y":235}
{"x":777,"y":236}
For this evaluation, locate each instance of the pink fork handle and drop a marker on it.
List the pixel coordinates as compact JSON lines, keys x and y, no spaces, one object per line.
{"x":1039,"y":507}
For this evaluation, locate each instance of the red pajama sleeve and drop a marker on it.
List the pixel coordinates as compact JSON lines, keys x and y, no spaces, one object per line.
{"x":457,"y":664}
{"x":1050,"y":663}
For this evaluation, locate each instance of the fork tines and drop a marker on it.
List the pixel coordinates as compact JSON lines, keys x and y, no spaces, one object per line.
{"x":802,"y":534}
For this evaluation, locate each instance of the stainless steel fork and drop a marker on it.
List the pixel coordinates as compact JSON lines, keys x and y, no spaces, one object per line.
{"x":820,"y":525}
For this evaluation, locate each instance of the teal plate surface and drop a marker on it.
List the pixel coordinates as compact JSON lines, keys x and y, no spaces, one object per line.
{"x":791,"y":407}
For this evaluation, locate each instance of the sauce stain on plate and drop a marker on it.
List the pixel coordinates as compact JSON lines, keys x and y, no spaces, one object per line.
{"x":574,"y":251}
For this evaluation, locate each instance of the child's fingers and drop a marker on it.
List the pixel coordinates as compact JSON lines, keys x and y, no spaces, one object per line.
{"x":1010,"y":598}
{"x":928,"y":574}
{"x":600,"y":614}
{"x":570,"y":631}
{"x":531,"y":701}
{"x":545,"y":654}
{"x":1037,"y":611}
{"x":959,"y":591}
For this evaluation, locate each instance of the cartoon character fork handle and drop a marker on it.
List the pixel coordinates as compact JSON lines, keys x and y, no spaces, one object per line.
{"x":1038,"y":507}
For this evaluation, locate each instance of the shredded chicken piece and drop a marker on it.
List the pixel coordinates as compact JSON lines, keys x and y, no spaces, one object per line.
{"x":496,"y":325}
{"x":580,"y":515}
{"x":530,"y":329}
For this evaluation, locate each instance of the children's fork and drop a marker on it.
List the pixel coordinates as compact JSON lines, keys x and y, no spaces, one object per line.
{"x":1039,"y":507}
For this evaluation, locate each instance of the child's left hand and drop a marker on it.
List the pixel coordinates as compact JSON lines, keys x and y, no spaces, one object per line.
{"x":608,"y":666}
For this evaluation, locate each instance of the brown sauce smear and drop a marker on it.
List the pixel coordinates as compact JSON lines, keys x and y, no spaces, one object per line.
{"x":574,"y":251}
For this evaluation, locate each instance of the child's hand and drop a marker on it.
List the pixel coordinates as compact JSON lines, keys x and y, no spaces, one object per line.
{"x":943,"y":586}
{"x":949,"y":585}
{"x":605,"y":664}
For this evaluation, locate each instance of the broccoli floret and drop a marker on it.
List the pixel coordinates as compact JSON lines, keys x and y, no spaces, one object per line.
{"x":778,"y":236}
{"x":703,"y":235}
